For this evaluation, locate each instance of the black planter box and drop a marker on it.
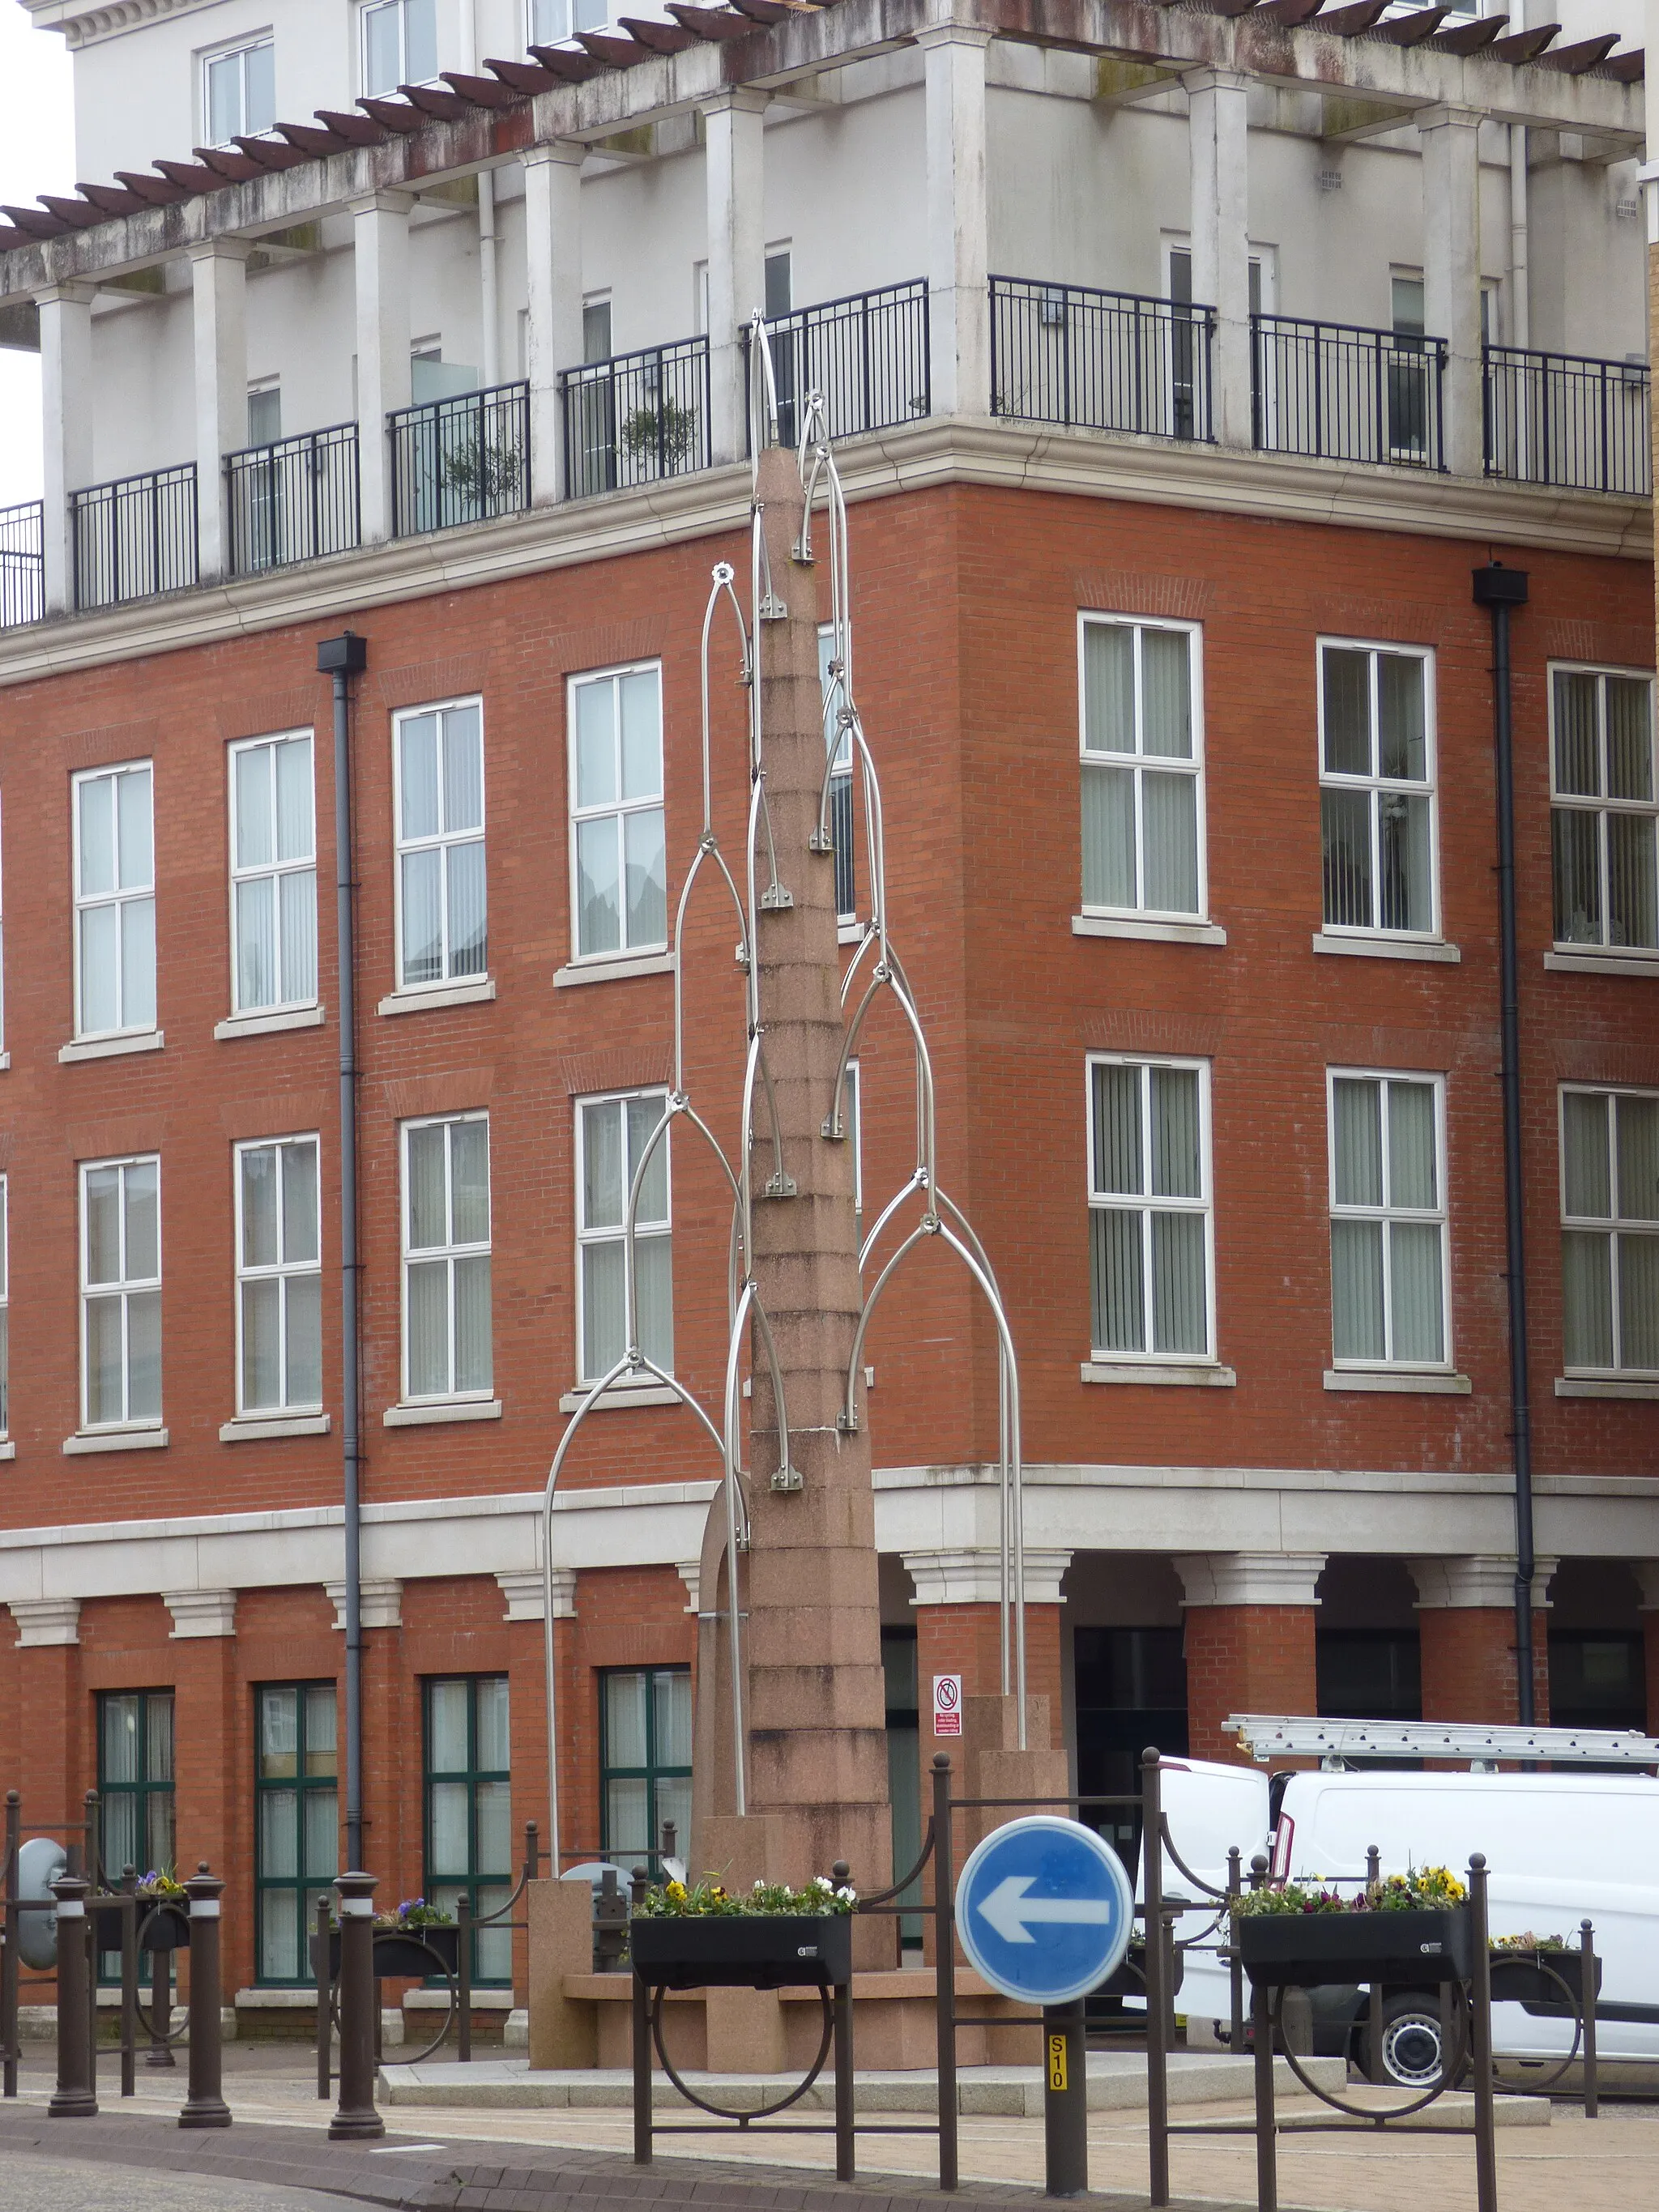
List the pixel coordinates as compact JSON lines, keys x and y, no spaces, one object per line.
{"x":1309,"y":1950}
{"x":746,"y":1951}
{"x":162,"y":1926}
{"x":1519,"y":1977}
{"x":405,"y":1954}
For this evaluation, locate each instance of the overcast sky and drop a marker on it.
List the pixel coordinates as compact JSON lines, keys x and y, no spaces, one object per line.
{"x":37,"y":155}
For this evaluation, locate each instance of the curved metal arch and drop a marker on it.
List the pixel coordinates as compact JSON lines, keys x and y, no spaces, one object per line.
{"x":929,"y":1225}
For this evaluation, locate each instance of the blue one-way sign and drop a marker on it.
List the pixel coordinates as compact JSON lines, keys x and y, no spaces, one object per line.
{"x":1044,"y":1910}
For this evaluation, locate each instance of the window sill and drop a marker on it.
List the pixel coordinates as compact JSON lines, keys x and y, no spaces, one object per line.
{"x":623,"y":1397}
{"x":5,"y":1061}
{"x":111,"y":1048}
{"x":291,"y":1017}
{"x":1604,"y":962}
{"x":8,"y":1448}
{"x":1380,"y":947}
{"x":1433,"y":1383}
{"x":276,"y":1999}
{"x":1151,"y":932}
{"x":1605,"y":1386}
{"x":849,"y":930}
{"x":111,"y":1440}
{"x":438,"y":2000}
{"x":441,"y":1411}
{"x":1161,"y":1372}
{"x":473,"y":994}
{"x":616,"y":970}
{"x":255,"y":1428}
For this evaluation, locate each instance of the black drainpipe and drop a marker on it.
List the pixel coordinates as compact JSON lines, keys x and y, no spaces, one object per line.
{"x":1498,"y":589}
{"x":343,"y":658}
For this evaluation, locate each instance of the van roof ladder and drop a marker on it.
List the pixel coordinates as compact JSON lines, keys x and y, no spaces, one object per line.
{"x":1265,"y":1737}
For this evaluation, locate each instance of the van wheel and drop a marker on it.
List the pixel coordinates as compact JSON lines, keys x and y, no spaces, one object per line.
{"x":1411,"y":2043}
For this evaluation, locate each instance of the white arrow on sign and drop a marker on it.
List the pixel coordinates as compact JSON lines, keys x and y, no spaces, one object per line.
{"x":1013,"y":1915}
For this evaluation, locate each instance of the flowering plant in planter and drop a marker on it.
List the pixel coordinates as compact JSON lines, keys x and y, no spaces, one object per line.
{"x":1528,"y":1942}
{"x":702,"y":1934}
{"x":1308,"y":1933}
{"x":708,"y":1900}
{"x":1424,"y":1889}
{"x":415,"y":1912}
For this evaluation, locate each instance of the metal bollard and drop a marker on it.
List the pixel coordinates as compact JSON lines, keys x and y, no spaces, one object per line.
{"x":204,"y":2107}
{"x":74,"y":2099}
{"x":323,"y":1975}
{"x":1587,"y":1967}
{"x":1486,"y":2147}
{"x":1065,"y":2101}
{"x":355,"y":2117}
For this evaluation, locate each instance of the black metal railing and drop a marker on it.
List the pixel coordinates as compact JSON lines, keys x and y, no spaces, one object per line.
{"x":294,"y":501}
{"x":867,"y":355}
{"x":635,"y":418}
{"x":1558,"y":418}
{"x":1100,"y":360}
{"x":22,"y":590}
{"x":461,"y":459}
{"x":134,"y":538}
{"x":1341,"y":393}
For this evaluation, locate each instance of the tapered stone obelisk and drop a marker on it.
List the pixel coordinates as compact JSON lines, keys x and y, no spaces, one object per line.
{"x":815,"y":1703}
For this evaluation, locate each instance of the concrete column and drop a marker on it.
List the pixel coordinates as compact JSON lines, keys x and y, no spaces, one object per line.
{"x":958,"y":219}
{"x":65,"y":427}
{"x":734,"y":171}
{"x":1466,"y":1629}
{"x":1451,"y":272}
{"x":218,"y":278}
{"x":381,"y":237}
{"x":1218,"y":138}
{"x":553,"y":251}
{"x":1250,"y":1618}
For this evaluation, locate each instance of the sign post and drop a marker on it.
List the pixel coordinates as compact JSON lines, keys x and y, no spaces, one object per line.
{"x":1044,"y":1911}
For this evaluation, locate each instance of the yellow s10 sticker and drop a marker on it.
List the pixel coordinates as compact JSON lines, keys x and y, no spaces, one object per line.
{"x":1056,"y":2062}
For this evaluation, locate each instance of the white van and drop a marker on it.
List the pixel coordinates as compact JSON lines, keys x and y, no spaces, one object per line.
{"x":1560,"y":1849}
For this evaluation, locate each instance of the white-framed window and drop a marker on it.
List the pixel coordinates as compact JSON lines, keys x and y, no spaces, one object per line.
{"x":114,"y":902}
{"x":611,"y":1135}
{"x":1390,"y":1284}
{"x":1376,"y":795}
{"x":442,"y":909}
{"x":445,"y":1237}
{"x":273,"y":873}
{"x":1140,"y":687}
{"x":843,"y":828}
{"x":121,"y":1293}
{"x":5,"y":1306}
{"x":1610,"y":1231}
{"x":279,"y":1280}
{"x":1150,"y":1212}
{"x":400,"y":44}
{"x":1604,"y":807}
{"x":618,"y":862}
{"x":547,"y":21}
{"x":239,"y":90}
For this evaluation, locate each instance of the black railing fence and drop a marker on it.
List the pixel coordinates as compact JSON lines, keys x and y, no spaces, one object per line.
{"x":461,"y":459}
{"x":1556,"y":418}
{"x":23,"y":593}
{"x":1100,"y":360}
{"x":867,"y":355}
{"x":294,"y":501}
{"x":635,"y":418}
{"x":134,"y":537}
{"x":1341,"y":393}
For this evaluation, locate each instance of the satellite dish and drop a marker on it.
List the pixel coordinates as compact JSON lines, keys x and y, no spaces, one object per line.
{"x":39,"y":1864}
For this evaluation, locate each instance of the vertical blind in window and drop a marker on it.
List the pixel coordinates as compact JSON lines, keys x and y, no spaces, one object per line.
{"x":274,"y":874}
{"x":613,"y":1134}
{"x":400,"y":44}
{"x":645,"y":1769}
{"x":296,"y":1787}
{"x":1603,"y":818}
{"x":1388,"y":1222}
{"x":135,"y":1781}
{"x":446,"y":1325}
{"x":1140,"y":770}
{"x":1610,"y":1231}
{"x":616,"y":823}
{"x":443,"y":934}
{"x":1376,"y":799}
{"x":121,"y":1292}
{"x":469,"y":1809}
{"x":1149,"y":1209}
{"x":279,"y":1276}
{"x":114,"y":902}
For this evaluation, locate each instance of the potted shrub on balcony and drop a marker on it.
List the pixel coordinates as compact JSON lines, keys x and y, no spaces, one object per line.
{"x":162,"y":1911}
{"x":701,"y":1936}
{"x":1523,"y":1971}
{"x":661,"y":431}
{"x":1409,"y":1928}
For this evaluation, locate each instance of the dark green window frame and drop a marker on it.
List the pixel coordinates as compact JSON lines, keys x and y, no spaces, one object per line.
{"x":293,"y":1894}
{"x":142,"y":1803}
{"x":654,"y":1772}
{"x":475,"y":1791}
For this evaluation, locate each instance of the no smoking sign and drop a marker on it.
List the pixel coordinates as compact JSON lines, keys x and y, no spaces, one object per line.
{"x":947,"y":1705}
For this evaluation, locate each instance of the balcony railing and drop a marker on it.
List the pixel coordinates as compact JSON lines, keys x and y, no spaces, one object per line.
{"x":1341,"y":393}
{"x":461,"y":459}
{"x":867,"y":355}
{"x":23,"y":596}
{"x":1556,"y":418}
{"x":134,"y":538}
{"x":1100,"y":360}
{"x":294,"y":501}
{"x":635,"y":418}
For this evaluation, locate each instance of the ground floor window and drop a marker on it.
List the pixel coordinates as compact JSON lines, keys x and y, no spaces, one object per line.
{"x":1370,"y":1674}
{"x":1597,"y":1679}
{"x":1131,"y":1692}
{"x":469,"y":1809}
{"x":297,"y":1827}
{"x":135,"y":1782}
{"x":645,"y":1778}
